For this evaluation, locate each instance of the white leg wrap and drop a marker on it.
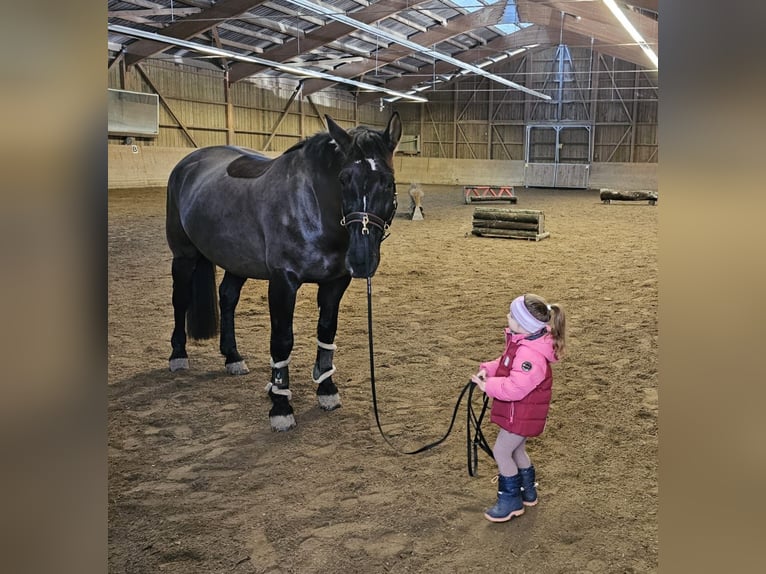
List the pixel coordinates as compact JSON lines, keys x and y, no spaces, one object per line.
{"x":271,"y":386}
{"x":277,"y":391}
{"x":280,"y":364}
{"x":327,"y":346}
{"x":325,"y":375}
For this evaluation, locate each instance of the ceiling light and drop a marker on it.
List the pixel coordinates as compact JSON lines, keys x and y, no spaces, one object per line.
{"x":620,"y":15}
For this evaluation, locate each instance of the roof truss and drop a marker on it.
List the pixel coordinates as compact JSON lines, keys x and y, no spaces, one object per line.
{"x":279,"y":31}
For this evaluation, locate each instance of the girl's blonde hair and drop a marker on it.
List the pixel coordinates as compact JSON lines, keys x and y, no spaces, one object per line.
{"x":549,"y":313}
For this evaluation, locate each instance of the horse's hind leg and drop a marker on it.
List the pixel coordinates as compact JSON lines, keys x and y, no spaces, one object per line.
{"x":328,"y":299}
{"x":194,"y":305}
{"x":182,"y":270}
{"x":282,"y":292}
{"x":228,"y":295}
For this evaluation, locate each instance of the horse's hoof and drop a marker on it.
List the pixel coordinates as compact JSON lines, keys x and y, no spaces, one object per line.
{"x":282,"y":423}
{"x":329,"y":402}
{"x":179,"y":364}
{"x":238,"y":368}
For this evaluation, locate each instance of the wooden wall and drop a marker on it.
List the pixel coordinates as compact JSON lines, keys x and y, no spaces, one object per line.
{"x":150,"y":166}
{"x":198,"y":109}
{"x":474,"y":118}
{"x":467,"y":119}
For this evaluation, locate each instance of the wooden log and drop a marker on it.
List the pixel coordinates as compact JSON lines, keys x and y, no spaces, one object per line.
{"x":505,"y":210}
{"x":521,"y":215}
{"x":510,"y":233}
{"x":500,"y":224}
{"x":639,"y":195}
{"x":505,"y":232}
{"x":474,"y":198}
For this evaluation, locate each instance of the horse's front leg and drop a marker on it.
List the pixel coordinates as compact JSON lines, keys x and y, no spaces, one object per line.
{"x":328,"y":298}
{"x":228,"y":295}
{"x":283,"y":288}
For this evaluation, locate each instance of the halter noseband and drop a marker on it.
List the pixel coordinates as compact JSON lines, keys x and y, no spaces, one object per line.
{"x":366,"y":218}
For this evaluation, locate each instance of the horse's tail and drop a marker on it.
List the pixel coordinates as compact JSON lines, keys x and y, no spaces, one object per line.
{"x":202,"y":311}
{"x":202,"y":316}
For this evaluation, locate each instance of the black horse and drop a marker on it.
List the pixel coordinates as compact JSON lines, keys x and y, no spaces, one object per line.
{"x":315,"y":214}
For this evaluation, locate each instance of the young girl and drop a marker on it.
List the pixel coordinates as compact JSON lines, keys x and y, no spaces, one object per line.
{"x":519,"y":383}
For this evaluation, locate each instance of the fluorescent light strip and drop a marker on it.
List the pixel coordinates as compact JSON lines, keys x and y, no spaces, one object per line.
{"x":623,"y":19}
{"x":296,"y":71}
{"x":464,"y":72}
{"x":402,"y":41}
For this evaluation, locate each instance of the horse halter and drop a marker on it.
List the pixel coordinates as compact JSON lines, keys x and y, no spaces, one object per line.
{"x":366,"y":219}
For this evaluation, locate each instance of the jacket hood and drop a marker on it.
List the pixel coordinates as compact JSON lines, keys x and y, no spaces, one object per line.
{"x":542,"y":345}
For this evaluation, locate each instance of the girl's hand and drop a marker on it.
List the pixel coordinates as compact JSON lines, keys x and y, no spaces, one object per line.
{"x":480,"y":379}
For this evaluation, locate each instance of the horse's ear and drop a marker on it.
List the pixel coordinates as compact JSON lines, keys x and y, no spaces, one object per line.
{"x":394,"y":131}
{"x":340,"y":135}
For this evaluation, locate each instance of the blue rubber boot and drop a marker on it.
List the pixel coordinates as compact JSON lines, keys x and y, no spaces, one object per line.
{"x":508,"y":502}
{"x":528,"y":486}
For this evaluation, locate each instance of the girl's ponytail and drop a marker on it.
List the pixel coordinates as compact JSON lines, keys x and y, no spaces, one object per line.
{"x":558,"y":330}
{"x":552,"y":314}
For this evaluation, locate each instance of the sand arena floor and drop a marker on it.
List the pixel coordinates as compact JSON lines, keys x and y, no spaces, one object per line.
{"x":198,"y":483}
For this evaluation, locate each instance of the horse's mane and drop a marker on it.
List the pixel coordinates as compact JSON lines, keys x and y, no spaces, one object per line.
{"x":313,"y":143}
{"x":365,"y":143}
{"x":316,"y":147}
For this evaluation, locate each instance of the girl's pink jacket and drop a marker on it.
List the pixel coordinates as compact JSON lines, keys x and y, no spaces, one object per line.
{"x":521,"y":389}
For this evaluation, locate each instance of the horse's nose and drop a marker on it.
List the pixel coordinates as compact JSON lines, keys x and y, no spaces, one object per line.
{"x":361,"y":272}
{"x":361,"y":268}
{"x":363,"y":253}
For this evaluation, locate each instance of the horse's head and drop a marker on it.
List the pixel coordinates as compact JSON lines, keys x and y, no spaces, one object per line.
{"x":368,"y":190}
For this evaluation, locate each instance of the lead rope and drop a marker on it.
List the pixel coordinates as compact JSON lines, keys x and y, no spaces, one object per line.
{"x":473,"y":442}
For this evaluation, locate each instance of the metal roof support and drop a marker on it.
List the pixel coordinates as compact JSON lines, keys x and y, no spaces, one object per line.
{"x":192,"y":25}
{"x":333,"y":14}
{"x":293,"y":70}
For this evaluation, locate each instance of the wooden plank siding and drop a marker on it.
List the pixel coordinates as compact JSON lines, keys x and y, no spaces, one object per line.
{"x":467,"y":118}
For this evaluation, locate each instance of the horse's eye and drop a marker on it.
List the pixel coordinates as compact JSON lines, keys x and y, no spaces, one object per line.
{"x":344,"y":177}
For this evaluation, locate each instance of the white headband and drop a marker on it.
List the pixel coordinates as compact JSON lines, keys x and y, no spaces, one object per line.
{"x":522,"y":315}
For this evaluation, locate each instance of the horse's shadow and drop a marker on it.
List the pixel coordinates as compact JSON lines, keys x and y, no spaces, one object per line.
{"x":187,"y":393}
{"x":160,"y":382}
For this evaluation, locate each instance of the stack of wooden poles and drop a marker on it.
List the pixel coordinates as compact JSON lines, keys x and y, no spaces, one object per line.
{"x":509,"y":223}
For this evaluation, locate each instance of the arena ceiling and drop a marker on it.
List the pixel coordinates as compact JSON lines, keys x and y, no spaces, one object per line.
{"x":403,"y":46}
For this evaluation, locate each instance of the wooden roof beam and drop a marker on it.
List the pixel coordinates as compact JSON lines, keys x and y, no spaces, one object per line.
{"x":596,"y":21}
{"x":454,"y":27}
{"x":525,"y":37}
{"x":529,"y":36}
{"x":322,"y":36}
{"x":189,"y":27}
